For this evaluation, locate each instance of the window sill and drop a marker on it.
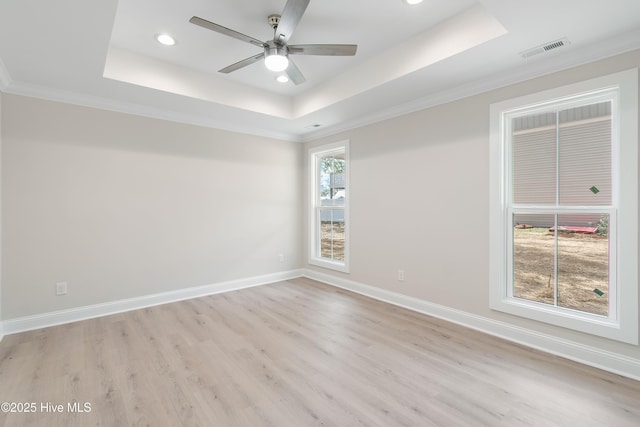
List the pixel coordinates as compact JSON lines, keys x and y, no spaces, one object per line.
{"x":331,"y":265}
{"x":566,"y":318}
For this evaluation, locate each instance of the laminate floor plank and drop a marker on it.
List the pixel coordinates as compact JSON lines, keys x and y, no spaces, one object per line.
{"x":297,"y":353}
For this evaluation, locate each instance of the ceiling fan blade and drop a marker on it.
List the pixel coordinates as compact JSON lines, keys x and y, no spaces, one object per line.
{"x":291,"y":15}
{"x":242,"y":64}
{"x":226,"y":31}
{"x":323,"y":49}
{"x":294,"y":73}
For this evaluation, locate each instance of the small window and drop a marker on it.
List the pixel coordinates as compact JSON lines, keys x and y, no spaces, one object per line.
{"x":564,"y":201}
{"x":329,"y":207}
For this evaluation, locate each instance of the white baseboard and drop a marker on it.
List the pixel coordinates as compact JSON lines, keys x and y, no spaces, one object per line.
{"x":588,"y":355}
{"x":28,"y":323}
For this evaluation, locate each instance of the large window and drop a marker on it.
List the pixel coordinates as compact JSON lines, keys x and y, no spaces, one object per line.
{"x":564,"y":230}
{"x":329,"y":206}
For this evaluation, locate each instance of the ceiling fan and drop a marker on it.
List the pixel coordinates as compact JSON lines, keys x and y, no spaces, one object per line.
{"x":276,"y":52}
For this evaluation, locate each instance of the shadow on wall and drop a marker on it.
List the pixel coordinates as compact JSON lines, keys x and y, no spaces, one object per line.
{"x":455,"y":122}
{"x":94,"y":128}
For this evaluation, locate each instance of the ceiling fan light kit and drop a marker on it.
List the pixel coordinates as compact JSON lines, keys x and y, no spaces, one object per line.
{"x":276,"y":52}
{"x":275,"y":57}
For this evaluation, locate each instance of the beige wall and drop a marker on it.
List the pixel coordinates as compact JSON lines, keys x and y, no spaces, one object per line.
{"x":420,"y":202}
{"x":121,"y":206}
{"x":1,"y":185}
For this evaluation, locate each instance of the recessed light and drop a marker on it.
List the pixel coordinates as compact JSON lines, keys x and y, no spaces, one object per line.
{"x":282,"y":79}
{"x":165,"y":39}
{"x":412,"y":2}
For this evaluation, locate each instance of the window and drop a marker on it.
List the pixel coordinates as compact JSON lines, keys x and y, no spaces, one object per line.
{"x":329,"y":207}
{"x":564,"y":206}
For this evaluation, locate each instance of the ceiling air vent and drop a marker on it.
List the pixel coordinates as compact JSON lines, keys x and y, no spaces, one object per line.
{"x":545,"y":48}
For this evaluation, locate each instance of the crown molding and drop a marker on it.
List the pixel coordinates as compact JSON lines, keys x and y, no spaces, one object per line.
{"x":91,"y":101}
{"x":527,"y":71}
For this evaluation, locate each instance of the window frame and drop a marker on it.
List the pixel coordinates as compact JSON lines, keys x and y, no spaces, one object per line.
{"x":315,"y":154}
{"x":622,"y":322}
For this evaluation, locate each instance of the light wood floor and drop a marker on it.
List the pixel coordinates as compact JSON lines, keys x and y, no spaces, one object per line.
{"x":298,"y":353}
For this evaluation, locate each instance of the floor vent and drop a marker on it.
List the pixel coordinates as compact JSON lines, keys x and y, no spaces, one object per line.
{"x":545,"y":48}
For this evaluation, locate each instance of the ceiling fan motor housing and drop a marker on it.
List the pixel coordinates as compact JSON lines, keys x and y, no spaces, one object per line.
{"x":273,"y":48}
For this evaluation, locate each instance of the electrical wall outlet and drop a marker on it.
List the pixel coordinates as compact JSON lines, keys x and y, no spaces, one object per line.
{"x":61,"y":288}
{"x":400,"y":275}
{"x":281,"y":257}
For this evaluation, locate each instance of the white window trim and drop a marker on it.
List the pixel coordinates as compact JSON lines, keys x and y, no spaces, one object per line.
{"x":622,"y":324}
{"x":314,"y":154}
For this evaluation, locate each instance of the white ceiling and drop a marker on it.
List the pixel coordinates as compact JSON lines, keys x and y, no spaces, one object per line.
{"x":104,"y":54}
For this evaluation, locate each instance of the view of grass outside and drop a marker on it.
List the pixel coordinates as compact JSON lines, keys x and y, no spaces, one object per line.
{"x":582,"y":268}
{"x":332,"y":240}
